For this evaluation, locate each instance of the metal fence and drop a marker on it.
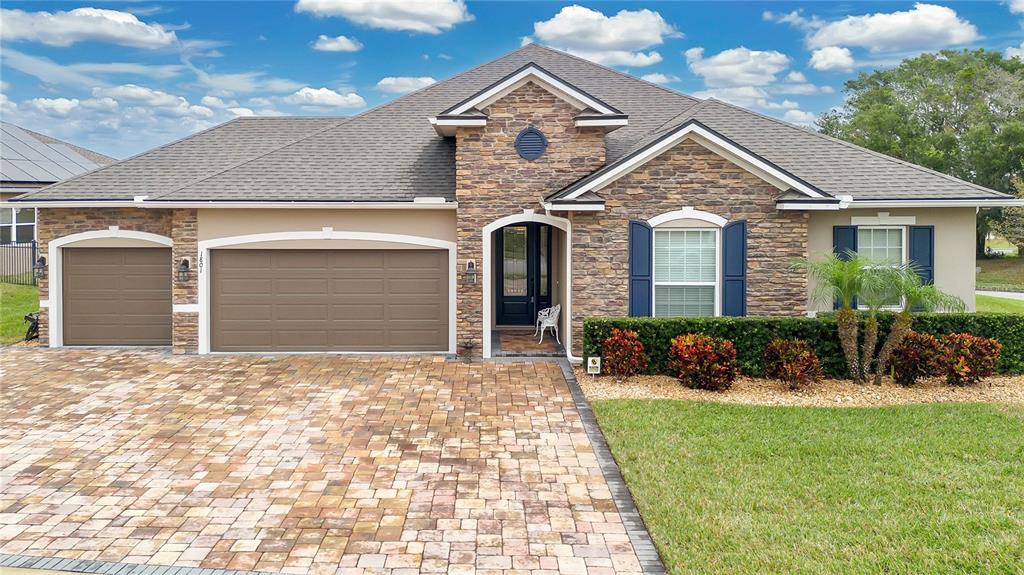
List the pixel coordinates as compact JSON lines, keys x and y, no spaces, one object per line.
{"x":16,"y":261}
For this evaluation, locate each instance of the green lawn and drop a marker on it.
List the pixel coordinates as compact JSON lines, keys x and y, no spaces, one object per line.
{"x":15,"y":302}
{"x":746,"y":489}
{"x":987,"y":303}
{"x":1001,"y":273}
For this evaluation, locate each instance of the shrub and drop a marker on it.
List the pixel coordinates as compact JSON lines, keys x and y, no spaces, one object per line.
{"x":751,"y":335}
{"x":703,"y":362}
{"x":969,"y":358}
{"x":623,"y":354}
{"x":792,"y":362}
{"x":919,"y":356}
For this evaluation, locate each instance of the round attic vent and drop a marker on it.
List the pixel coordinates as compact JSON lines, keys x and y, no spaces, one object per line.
{"x":531,"y":143}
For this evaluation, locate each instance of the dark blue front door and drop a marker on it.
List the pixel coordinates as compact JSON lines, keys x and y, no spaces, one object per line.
{"x":523,"y":273}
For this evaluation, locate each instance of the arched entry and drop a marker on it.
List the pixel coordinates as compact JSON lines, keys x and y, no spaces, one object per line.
{"x":527,"y":228}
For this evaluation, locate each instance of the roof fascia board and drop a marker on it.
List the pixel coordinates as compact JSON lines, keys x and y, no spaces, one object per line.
{"x":532,"y":72}
{"x":709,"y":139}
{"x":555,"y":207}
{"x":940,"y":203}
{"x":239,"y":205}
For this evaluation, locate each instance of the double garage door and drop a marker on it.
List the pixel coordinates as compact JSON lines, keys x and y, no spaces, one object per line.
{"x":292,"y":300}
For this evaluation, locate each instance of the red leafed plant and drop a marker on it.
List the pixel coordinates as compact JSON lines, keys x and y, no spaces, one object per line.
{"x":969,"y":358}
{"x":703,"y":362}
{"x":919,"y":355}
{"x":791,"y":361}
{"x":623,"y":354}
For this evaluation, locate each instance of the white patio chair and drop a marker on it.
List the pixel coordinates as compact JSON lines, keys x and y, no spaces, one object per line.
{"x":548,"y":318}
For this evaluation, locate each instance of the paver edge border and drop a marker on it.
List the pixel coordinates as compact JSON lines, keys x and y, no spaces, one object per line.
{"x":110,"y":567}
{"x":636,"y":529}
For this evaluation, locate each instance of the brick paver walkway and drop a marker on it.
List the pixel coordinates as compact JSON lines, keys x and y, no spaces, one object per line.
{"x":301,"y":464}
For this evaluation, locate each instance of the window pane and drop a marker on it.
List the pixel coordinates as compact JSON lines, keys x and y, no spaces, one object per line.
{"x":514,"y":261}
{"x":684,"y":301}
{"x":544,"y":230}
{"x":26,"y":216}
{"x":684,"y":256}
{"x":881,"y":246}
{"x":5,"y":215}
{"x":5,"y":234}
{"x":25,"y":233}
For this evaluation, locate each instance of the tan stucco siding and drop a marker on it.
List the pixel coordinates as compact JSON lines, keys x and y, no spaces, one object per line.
{"x":222,"y":223}
{"x":954,"y":245}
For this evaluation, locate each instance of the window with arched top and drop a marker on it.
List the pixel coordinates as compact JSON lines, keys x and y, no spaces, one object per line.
{"x":687,"y":263}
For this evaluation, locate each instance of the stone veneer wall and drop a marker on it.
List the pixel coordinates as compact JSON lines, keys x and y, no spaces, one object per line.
{"x":185,"y":324}
{"x":54,"y":223}
{"x":492,"y":181}
{"x":687,"y":175}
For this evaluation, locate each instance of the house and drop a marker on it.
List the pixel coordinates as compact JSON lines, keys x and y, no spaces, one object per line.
{"x":423,"y":225}
{"x":29,"y":161}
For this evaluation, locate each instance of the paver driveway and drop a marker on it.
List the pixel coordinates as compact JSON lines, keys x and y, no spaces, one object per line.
{"x":301,"y":464}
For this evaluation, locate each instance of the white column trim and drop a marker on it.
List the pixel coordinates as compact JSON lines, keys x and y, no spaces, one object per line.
{"x":327,"y":233}
{"x":488,"y":300}
{"x":55,"y":270}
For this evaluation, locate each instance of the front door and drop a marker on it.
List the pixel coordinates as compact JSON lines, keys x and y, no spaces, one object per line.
{"x":523,"y":273}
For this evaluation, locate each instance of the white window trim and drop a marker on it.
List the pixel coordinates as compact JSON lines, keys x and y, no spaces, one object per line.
{"x":904,"y":257}
{"x":717,"y":284}
{"x":15,"y":224}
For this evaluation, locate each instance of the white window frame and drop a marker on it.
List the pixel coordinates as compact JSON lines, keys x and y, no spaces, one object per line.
{"x":904,"y":256}
{"x":717,"y":284}
{"x":14,"y":225}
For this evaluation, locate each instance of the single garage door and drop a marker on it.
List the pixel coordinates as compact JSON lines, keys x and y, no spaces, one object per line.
{"x":116,"y":296}
{"x":329,"y":300}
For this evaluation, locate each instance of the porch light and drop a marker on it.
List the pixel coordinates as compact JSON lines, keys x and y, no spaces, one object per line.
{"x":183,"y":269}
{"x":39,"y":268}
{"x":470,"y":273}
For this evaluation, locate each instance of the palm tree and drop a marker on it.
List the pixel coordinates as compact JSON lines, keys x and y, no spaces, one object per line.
{"x":841,"y":280}
{"x":877,"y":291}
{"x":916,"y":295}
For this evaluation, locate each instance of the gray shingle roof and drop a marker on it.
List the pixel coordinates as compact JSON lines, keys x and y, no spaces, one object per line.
{"x":392,"y":153}
{"x":28,"y":157}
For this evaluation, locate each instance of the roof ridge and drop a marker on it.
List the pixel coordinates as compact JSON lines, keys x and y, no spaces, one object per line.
{"x":685,"y":114}
{"x":612,"y":70}
{"x":252,"y":159}
{"x":859,"y":148}
{"x":129,"y":158}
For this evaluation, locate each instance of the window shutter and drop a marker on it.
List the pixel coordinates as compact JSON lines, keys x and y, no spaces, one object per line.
{"x":640,"y":266}
{"x":734,"y":268}
{"x":922,"y":251}
{"x":844,"y":241}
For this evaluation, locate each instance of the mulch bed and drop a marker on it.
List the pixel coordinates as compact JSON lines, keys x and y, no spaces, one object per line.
{"x":825,"y":393}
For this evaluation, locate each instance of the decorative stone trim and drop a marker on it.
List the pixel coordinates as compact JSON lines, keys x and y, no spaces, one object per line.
{"x":643,"y":545}
{"x":109,"y":567}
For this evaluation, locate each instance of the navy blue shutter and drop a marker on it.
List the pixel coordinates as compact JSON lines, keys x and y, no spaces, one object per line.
{"x":922,"y":251}
{"x":641,"y":263}
{"x":844,"y":242}
{"x":734,"y":268}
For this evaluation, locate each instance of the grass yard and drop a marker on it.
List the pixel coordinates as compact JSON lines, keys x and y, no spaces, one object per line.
{"x":936,"y":488}
{"x":1001,"y":273}
{"x":988,"y":303}
{"x":15,"y":302}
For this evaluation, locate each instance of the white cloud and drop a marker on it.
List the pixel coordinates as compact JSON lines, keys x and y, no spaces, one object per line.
{"x":429,"y":16}
{"x":243,"y":82}
{"x":617,"y":40}
{"x":7,"y":107}
{"x":403,"y":84}
{"x":832,"y":58}
{"x":737,"y":66}
{"x":47,"y":70}
{"x":794,"y":18}
{"x":155,"y":101}
{"x":659,"y":78}
{"x":213,"y":102}
{"x":240,"y":111}
{"x":799,"y":117}
{"x":64,"y":29}
{"x":1016,"y":6}
{"x":795,"y":76}
{"x":56,"y":107}
{"x":801,"y":89}
{"x":924,"y":27}
{"x":337,"y":44}
{"x":157,"y":71}
{"x":1012,"y":52}
{"x":325,"y":98}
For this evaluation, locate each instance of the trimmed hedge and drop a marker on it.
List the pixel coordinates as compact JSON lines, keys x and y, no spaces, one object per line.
{"x":752,"y":334}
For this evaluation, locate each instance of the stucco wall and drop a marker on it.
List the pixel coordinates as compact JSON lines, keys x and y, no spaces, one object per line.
{"x":954,"y":245}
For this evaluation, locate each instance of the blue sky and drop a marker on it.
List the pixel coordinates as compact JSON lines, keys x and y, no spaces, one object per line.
{"x":124,"y":77}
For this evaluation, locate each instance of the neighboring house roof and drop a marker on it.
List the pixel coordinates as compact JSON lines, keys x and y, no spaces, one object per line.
{"x":27,"y":157}
{"x":393,"y":154}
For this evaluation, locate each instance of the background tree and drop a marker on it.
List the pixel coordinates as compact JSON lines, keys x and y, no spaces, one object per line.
{"x":957,"y":112}
{"x":1010,"y":224}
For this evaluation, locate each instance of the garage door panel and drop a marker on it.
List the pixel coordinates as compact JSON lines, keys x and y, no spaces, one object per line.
{"x":329,"y":300}
{"x":116,"y":296}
